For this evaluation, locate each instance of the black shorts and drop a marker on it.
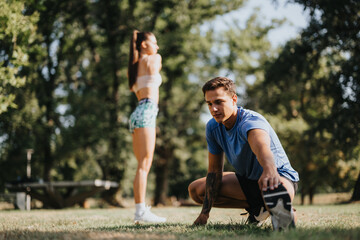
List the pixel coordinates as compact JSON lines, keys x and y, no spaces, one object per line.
{"x":295,"y":184}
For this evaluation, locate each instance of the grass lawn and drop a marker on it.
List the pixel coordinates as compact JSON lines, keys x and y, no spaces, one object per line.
{"x":341,"y":221}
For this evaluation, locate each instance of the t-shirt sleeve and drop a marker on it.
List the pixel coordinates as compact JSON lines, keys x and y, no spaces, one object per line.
{"x":254,"y":122}
{"x":213,"y":145}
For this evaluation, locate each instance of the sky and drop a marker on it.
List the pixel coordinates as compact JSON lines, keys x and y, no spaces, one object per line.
{"x":297,"y":19}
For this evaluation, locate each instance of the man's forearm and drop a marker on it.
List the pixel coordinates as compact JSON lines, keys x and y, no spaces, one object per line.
{"x":213,"y":184}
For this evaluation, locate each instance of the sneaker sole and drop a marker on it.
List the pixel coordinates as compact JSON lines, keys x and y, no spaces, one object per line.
{"x":139,"y":222}
{"x":278,"y":203}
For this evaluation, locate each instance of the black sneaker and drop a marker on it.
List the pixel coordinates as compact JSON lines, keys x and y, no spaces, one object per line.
{"x":257,"y":215}
{"x":278,"y":202}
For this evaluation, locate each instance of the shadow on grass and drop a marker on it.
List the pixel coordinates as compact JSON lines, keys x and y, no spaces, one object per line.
{"x":183,"y":231}
{"x":212,"y":229}
{"x":211,"y":226}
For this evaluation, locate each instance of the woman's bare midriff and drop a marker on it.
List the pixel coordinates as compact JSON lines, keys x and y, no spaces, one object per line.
{"x":149,"y":92}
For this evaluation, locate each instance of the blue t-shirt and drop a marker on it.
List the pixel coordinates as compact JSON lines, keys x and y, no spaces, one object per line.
{"x":235,"y":144}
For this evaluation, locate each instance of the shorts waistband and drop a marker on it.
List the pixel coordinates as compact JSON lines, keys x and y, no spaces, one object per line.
{"x":146,"y":100}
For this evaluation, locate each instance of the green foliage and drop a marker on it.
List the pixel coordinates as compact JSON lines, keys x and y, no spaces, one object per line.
{"x":17,"y":32}
{"x":64,"y":68}
{"x":80,"y":101}
{"x":191,"y":56}
{"x":77,"y":90}
{"x":315,"y":79}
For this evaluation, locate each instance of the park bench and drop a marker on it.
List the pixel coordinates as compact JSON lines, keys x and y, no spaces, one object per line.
{"x":59,"y":194}
{"x":17,"y":199}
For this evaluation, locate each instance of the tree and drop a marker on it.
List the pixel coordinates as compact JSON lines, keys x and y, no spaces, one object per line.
{"x":17,"y":31}
{"x":316,"y":78}
{"x":75,"y":107}
{"x":181,"y":100}
{"x":245,"y":50}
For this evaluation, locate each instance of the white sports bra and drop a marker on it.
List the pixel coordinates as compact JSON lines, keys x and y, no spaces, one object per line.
{"x":147,"y":81}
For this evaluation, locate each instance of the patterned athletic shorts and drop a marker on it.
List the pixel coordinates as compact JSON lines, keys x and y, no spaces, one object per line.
{"x":144,"y":115}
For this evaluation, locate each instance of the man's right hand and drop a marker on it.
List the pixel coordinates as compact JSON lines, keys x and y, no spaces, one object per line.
{"x":202,"y":219}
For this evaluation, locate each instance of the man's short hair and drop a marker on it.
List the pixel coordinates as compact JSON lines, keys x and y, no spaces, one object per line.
{"x":219,"y":82}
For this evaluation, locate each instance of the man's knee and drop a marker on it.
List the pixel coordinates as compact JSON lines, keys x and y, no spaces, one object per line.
{"x":289,"y":185}
{"x":193,"y":192}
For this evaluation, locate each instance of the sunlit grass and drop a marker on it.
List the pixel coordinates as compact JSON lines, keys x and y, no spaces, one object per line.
{"x":314,"y":222}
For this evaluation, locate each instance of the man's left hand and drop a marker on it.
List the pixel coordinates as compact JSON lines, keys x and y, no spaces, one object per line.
{"x":269,"y":178}
{"x":202,"y":219}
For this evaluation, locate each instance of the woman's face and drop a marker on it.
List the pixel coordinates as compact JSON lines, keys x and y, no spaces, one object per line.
{"x":149,"y":46}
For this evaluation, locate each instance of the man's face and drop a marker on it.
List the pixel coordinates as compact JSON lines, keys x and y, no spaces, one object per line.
{"x":222,"y":106}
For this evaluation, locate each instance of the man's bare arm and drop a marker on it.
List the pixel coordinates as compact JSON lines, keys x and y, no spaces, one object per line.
{"x":259,"y":141}
{"x":213,"y":184}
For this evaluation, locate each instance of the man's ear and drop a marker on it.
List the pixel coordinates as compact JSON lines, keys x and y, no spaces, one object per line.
{"x":235,"y":98}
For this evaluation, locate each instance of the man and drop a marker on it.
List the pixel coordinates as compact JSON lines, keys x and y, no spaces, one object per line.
{"x":264,"y":181}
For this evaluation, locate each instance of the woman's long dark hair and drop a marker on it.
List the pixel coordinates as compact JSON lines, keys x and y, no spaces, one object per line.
{"x":135,"y":44}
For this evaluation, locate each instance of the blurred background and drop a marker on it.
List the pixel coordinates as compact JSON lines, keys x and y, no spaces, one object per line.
{"x":64,"y":89}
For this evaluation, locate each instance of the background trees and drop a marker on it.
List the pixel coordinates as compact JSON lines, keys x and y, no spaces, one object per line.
{"x":64,"y":89}
{"x":17,"y":34}
{"x":315,"y":79}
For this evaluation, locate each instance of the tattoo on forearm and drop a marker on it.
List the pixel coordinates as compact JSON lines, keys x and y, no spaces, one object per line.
{"x":213,"y":183}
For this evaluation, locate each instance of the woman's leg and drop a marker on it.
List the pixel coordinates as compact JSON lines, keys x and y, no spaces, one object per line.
{"x":143,"y":146}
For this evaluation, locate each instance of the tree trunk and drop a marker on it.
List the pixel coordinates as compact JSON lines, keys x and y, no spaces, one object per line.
{"x":303,"y":195}
{"x":311,"y":195}
{"x":111,"y":170}
{"x":161,"y":180}
{"x":356,"y":193}
{"x":109,"y":196}
{"x":165,"y":151}
{"x":48,"y":158}
{"x":49,"y":88}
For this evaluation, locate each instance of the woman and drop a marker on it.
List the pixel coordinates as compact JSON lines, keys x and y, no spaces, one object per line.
{"x":144,"y":81}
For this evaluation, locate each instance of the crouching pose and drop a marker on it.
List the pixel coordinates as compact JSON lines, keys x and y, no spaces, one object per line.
{"x":264,"y":182}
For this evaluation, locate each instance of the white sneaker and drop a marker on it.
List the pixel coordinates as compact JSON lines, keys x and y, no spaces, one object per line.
{"x":148,"y":216}
{"x":279,"y":204}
